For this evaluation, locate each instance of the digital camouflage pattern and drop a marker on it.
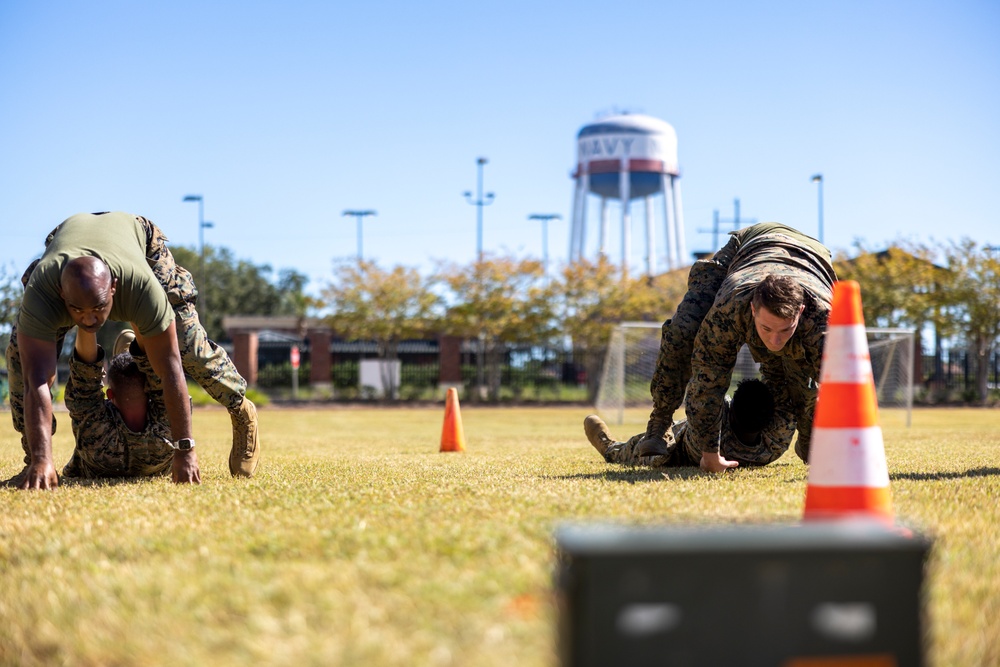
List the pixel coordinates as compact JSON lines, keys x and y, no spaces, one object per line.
{"x":105,"y":446}
{"x":699,"y":344}
{"x":681,"y":450}
{"x":203,"y":360}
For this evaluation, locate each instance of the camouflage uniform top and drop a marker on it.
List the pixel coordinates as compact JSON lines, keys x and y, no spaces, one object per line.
{"x":119,"y":240}
{"x":105,"y":446}
{"x":792,"y":372}
{"x":769,"y":445}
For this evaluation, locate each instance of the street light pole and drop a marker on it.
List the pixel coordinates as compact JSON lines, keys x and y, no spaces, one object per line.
{"x":545,"y":217}
{"x":479,"y":203}
{"x":202,"y":224}
{"x":818,"y":179}
{"x":359,"y":216}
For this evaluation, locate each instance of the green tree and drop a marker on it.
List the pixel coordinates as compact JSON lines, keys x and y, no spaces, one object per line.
{"x":10,"y":301}
{"x":899,"y":285}
{"x":596,"y":298}
{"x":974,"y":291}
{"x":388,"y":307}
{"x":294,"y":300}
{"x":498,"y":301}
{"x":228,"y":286}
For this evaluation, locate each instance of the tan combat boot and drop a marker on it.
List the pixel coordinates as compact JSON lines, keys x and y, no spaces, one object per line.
{"x":123,"y":342}
{"x":598,"y":434}
{"x":245,"y":454}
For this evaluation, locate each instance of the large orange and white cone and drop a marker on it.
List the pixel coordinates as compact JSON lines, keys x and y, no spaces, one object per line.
{"x":452,"y":434}
{"x":848,"y":475}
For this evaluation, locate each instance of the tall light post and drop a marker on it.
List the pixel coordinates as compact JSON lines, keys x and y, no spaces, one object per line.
{"x":359,"y":216}
{"x":818,"y":179}
{"x":479,"y":203}
{"x":545,"y":217}
{"x":202,"y":225}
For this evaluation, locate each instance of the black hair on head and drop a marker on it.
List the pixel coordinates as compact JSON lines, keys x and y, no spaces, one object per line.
{"x":752,"y":406}
{"x":124,"y":375}
{"x":782,"y":295}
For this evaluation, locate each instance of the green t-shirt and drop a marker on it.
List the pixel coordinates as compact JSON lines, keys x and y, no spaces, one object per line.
{"x":118,"y":239}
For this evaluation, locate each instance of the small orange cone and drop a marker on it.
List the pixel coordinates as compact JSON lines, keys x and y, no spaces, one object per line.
{"x":452,"y":435}
{"x":848,"y":475}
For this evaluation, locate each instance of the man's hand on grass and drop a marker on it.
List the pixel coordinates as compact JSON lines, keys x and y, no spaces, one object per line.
{"x":184,"y":468}
{"x":40,"y":475}
{"x":714,"y":462}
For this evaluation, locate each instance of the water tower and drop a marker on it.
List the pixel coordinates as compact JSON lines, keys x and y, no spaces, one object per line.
{"x":626,"y":158}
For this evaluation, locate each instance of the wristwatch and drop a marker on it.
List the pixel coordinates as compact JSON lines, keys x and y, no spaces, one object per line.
{"x":183,"y":445}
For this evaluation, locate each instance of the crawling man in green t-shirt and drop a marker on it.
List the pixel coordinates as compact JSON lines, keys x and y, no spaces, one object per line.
{"x":117,"y":266}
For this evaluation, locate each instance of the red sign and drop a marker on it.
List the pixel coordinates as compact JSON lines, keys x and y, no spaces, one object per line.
{"x":295,"y":356}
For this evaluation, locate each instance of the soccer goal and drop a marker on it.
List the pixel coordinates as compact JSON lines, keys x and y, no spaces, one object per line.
{"x":623,"y":394}
{"x":892,"y":354}
{"x":628,"y":368}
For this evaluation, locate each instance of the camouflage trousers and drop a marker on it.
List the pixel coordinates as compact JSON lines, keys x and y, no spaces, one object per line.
{"x":673,"y":366}
{"x":203,"y":360}
{"x":770,"y":445}
{"x":677,"y":454}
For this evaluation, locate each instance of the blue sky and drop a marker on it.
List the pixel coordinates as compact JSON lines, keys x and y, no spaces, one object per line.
{"x":282,"y":115}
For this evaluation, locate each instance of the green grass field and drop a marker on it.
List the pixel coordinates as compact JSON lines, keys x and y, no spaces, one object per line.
{"x":359,"y":543}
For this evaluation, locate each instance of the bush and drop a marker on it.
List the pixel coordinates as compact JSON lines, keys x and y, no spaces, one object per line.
{"x":201,"y":398}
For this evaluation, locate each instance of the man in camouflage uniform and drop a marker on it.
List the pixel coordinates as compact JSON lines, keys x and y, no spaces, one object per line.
{"x":770,"y":288}
{"x":748,"y":433}
{"x":117,"y":266}
{"x":126,"y":434}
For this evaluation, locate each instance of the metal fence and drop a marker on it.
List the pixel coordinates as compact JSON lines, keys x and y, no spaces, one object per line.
{"x":526,"y":374}
{"x":554,"y":374}
{"x":954,"y":374}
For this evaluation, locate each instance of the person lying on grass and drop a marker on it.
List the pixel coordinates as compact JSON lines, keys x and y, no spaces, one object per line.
{"x":749,"y":434}
{"x":126,"y":434}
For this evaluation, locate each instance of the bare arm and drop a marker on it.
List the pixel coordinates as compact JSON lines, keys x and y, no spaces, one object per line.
{"x":165,"y":358}
{"x":86,"y":346}
{"x":38,"y":364}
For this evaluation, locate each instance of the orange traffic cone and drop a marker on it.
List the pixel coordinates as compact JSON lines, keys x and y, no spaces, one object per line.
{"x":452,"y":435}
{"x":848,"y":475}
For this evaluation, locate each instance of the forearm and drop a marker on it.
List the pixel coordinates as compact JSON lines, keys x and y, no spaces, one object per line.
{"x":165,"y":358}
{"x":175,"y":396}
{"x":38,"y":422}
{"x":86,"y":347}
{"x":38,"y":367}
{"x":712,"y":364}
{"x":704,"y":413}
{"x":804,"y":419}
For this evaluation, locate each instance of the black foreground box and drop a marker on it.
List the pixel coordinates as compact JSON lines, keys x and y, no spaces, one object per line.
{"x":817,"y":594}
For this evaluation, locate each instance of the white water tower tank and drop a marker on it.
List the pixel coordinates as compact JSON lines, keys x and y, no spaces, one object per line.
{"x":628,"y":157}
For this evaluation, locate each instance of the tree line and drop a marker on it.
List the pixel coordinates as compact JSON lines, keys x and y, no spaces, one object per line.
{"x":504,"y":300}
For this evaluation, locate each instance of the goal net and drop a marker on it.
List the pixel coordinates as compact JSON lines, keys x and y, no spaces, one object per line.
{"x":892,"y":355}
{"x":623,"y":394}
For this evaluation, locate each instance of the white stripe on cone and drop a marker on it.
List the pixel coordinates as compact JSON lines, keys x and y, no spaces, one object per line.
{"x":845,"y":355}
{"x":848,"y":457}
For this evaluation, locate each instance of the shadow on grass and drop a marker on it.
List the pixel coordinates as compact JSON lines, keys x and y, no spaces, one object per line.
{"x":633,"y":475}
{"x":925,"y":476}
{"x":15,"y":481}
